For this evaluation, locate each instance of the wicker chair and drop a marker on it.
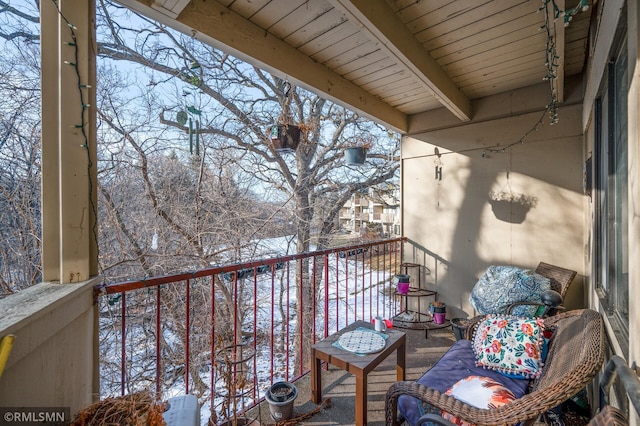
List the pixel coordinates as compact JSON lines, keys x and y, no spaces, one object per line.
{"x":576,"y":354}
{"x":560,"y":279}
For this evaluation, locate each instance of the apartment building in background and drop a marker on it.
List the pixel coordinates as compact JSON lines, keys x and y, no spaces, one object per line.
{"x":375,"y":210}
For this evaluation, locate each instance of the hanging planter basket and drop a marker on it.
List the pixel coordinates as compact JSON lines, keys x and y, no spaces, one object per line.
{"x":285,"y":137}
{"x":355,"y":155}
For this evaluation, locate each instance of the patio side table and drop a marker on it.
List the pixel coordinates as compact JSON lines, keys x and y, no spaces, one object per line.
{"x":358,"y":365}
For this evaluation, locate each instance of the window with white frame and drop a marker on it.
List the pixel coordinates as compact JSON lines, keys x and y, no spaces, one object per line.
{"x":611,"y":233}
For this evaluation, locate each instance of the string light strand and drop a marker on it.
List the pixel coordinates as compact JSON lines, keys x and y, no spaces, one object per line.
{"x":549,"y":7}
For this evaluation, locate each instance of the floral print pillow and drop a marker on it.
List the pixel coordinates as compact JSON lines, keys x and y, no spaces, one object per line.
{"x":510,"y":345}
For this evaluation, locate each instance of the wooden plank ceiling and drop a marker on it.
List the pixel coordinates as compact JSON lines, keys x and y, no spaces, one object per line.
{"x":389,"y":59}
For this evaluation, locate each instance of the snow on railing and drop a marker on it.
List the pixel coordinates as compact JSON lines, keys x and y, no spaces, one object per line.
{"x":227,"y":333}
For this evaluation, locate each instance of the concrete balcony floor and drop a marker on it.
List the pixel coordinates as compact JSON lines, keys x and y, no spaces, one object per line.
{"x":339,"y":386}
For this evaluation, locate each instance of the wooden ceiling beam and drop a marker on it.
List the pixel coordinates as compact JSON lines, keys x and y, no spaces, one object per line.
{"x":379,"y":21}
{"x":220,"y":27}
{"x":171,"y":8}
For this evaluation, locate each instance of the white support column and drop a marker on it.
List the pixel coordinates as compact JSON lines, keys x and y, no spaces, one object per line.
{"x":50,"y":189}
{"x":69,"y":185}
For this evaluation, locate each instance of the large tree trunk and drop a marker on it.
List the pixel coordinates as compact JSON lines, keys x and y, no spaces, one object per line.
{"x":304,"y":284}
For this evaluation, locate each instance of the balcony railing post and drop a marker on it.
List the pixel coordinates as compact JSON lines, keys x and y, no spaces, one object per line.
{"x":326,"y":296}
{"x":346,"y":287}
{"x":158,"y":331}
{"x":235,"y":319}
{"x":378,"y":279}
{"x":255,"y":331}
{"x":337,"y":292}
{"x":288,"y":300}
{"x":370,"y":282}
{"x":315,"y":300}
{"x":187,"y":326}
{"x":213,"y":339}
{"x":385,"y":247}
{"x":273,"y":298}
{"x":300,"y":302}
{"x":123,"y":333}
{"x":364,"y":318}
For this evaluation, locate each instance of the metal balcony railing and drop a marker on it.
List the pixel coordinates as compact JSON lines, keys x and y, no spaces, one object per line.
{"x":227,"y":333}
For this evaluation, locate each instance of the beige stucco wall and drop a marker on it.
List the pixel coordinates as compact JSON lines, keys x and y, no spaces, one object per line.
{"x":52,"y":362}
{"x":450,"y":223}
